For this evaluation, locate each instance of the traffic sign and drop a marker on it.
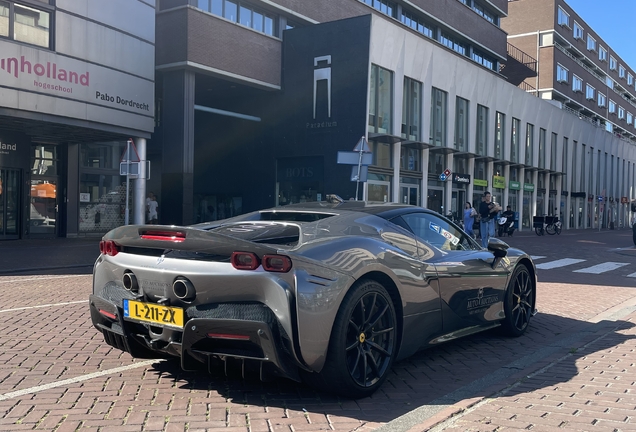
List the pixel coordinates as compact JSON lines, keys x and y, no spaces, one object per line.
{"x":353,"y":158}
{"x":364,"y":173}
{"x":362,"y":146}
{"x":130,"y":153}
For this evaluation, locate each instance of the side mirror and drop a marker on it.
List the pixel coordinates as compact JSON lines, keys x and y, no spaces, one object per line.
{"x":499,"y":249}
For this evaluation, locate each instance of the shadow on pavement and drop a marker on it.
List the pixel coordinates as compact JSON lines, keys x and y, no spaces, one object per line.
{"x":441,"y":375}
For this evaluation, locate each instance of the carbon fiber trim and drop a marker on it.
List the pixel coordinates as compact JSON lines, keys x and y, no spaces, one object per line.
{"x":252,"y":311}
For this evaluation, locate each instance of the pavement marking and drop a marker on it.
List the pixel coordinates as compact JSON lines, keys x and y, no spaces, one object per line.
{"x":601,"y":268}
{"x":536,"y":257}
{"x":41,"y":278}
{"x":75,"y":380}
{"x":43,"y":306}
{"x":631,"y":275}
{"x":559,"y":263}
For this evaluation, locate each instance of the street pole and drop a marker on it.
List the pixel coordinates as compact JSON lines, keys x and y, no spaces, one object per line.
{"x":127,"y":218}
{"x":359,"y":167}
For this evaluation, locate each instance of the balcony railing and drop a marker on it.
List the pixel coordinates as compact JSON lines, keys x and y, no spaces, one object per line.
{"x":522,"y":57}
{"x":630,"y":138}
{"x":601,"y":78}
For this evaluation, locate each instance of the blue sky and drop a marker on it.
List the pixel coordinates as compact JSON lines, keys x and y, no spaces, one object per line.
{"x":614,"y":21}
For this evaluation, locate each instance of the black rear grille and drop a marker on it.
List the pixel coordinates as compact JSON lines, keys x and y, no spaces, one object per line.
{"x":115,"y":340}
{"x":115,"y":292}
{"x":248,"y":311}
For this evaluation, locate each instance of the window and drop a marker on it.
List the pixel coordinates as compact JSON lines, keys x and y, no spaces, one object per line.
{"x":461,"y":124}
{"x":589,"y":92}
{"x":437,"y":232}
{"x":411,"y":109}
{"x":577,"y":31}
{"x":577,"y":84}
{"x":602,"y":100}
{"x":621,"y":71}
{"x":553,"y":153}
{"x":621,"y":112}
{"x":630,"y":118}
{"x":483,"y":59}
{"x":481,"y":146}
{"x":542,"y":138}
{"x":381,"y":100}
{"x":514,"y":140}
{"x":563,"y":18}
{"x":500,"y":132}
{"x":417,"y":24}
{"x":240,"y":13}
{"x":481,"y":11}
{"x":385,"y":6}
{"x":562,"y":74}
{"x":438,"y":117}
{"x":612,"y":107}
{"x":613,"y":63}
{"x":26,"y":24}
{"x":410,"y":159}
{"x":630,"y":79}
{"x":529,"y":144}
{"x":591,"y":43}
{"x":453,"y":44}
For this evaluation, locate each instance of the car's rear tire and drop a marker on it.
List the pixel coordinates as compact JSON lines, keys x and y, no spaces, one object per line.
{"x":363,"y":343}
{"x":518,"y":302}
{"x":634,"y":233}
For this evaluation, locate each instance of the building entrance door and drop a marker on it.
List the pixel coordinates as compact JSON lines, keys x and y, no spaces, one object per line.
{"x":9,"y":204}
{"x":44,"y":207}
{"x":410,"y":194}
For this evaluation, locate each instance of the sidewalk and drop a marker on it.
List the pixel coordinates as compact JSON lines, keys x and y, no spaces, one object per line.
{"x":47,"y":254}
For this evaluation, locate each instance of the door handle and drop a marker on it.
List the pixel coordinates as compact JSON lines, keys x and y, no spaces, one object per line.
{"x":56,"y":207}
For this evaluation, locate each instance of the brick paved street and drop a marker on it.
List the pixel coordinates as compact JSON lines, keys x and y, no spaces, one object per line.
{"x":573,"y":370}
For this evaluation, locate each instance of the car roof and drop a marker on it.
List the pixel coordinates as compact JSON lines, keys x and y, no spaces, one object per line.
{"x":383,"y":210}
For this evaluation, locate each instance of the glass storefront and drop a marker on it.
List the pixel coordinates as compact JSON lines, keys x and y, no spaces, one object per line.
{"x":379,"y":188}
{"x":9,"y":203}
{"x":102,"y":190}
{"x":410,"y":190}
{"x":44,"y":195}
{"x":298,"y":180}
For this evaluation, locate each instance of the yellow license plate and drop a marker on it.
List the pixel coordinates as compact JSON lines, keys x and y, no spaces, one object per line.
{"x":164,"y":316}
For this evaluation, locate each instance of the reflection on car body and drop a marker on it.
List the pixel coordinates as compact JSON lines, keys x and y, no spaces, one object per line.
{"x":331,"y":294}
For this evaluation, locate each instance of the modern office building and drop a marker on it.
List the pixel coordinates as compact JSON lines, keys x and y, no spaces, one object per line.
{"x":256,"y":100}
{"x":580,"y":73}
{"x":76,"y":82}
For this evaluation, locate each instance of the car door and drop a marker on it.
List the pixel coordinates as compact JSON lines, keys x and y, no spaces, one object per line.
{"x":471,"y":291}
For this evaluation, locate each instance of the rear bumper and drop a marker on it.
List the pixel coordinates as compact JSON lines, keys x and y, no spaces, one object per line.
{"x":260,"y":342}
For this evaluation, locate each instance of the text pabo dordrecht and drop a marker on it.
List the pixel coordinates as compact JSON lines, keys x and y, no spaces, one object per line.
{"x":122,"y":101}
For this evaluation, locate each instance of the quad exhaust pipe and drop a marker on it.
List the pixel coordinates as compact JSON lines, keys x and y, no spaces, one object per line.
{"x":183,"y":289}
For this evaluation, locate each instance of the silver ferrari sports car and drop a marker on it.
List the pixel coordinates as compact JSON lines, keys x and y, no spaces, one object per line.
{"x":330,"y":294}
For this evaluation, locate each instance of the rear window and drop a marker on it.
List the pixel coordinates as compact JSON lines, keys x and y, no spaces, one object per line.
{"x":293,"y":216}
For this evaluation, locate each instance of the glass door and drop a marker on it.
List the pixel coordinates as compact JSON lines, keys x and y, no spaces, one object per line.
{"x":9,"y":203}
{"x":410,"y":194}
{"x":43,"y":213}
{"x":378,"y":191}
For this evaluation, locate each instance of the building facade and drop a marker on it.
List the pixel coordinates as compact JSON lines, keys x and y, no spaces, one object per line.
{"x":257,"y":100}
{"x":76,"y":82}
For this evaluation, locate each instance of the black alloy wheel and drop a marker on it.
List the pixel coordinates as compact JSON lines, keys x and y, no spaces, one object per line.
{"x":363,"y":343}
{"x":519,"y":302}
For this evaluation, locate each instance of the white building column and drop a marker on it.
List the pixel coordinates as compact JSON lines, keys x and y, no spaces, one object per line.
{"x":448,"y":185}
{"x":424,"y":183}
{"x":533,"y":200}
{"x":397,"y":148}
{"x":520,"y":192}
{"x":506,"y":175}
{"x":139,"y":190}
{"x":546,"y":199}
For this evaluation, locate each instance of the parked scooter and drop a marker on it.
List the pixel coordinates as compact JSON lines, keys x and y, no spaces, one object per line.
{"x":505,"y":226}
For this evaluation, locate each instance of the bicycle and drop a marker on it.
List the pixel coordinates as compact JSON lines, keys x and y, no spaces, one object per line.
{"x":553,"y":225}
{"x":538,"y":223}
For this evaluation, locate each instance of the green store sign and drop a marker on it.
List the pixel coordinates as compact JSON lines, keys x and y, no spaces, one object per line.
{"x":479,"y":182}
{"x":499,"y":182}
{"x":528,"y":187}
{"x":514,"y":185}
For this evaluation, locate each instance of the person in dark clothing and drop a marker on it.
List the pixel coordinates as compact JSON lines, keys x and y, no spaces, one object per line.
{"x":507,"y":227}
{"x":487,"y":212}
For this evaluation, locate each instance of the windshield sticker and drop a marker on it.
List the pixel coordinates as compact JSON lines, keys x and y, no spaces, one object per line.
{"x":453,"y":239}
{"x":434,"y":227}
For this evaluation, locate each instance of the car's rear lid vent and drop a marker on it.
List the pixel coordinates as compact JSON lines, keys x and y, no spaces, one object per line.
{"x":163,"y":235}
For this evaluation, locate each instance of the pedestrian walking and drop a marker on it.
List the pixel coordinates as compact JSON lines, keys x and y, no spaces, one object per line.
{"x":469,"y":219}
{"x":487,"y":211}
{"x":151,"y":207}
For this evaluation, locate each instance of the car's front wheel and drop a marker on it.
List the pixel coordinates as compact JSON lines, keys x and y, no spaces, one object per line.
{"x":363,"y":343}
{"x":519,"y":302}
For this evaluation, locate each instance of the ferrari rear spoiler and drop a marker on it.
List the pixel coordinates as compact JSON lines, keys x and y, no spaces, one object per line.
{"x":257,"y":237}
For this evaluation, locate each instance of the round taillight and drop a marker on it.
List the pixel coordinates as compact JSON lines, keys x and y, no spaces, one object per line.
{"x":277,"y":263}
{"x":244,"y":261}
